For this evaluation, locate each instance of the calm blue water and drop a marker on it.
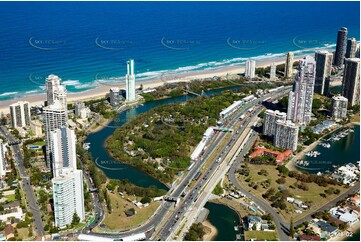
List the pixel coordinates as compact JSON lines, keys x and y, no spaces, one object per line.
{"x":84,"y":41}
{"x":346,"y":150}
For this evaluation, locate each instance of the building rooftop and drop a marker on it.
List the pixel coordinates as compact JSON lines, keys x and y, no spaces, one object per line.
{"x":326,"y":227}
{"x":305,"y":237}
{"x":280,"y":156}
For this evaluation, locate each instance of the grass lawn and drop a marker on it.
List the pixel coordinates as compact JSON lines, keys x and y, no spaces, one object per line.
{"x":117,"y":220}
{"x":355,"y":118}
{"x":10,"y":198}
{"x":260,"y":235}
{"x":41,"y":143}
{"x":313,"y":193}
{"x":23,"y":233}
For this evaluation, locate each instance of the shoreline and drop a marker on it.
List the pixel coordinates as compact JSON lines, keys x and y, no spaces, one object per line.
{"x":291,"y":164}
{"x":213,"y":231}
{"x":103,"y":89}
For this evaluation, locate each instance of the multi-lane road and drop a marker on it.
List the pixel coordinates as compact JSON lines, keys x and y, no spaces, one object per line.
{"x":32,"y":203}
{"x":173,"y":222}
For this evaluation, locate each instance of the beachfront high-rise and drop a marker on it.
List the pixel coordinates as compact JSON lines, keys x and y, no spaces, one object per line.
{"x":270,"y":119}
{"x":60,"y":95}
{"x":250,"y":71}
{"x":351,"y":81}
{"x":340,"y":47}
{"x":130,"y":81}
{"x":339,"y":107}
{"x":300,"y":98}
{"x":289,"y":65}
{"x":63,"y":150}
{"x":55,"y":90}
{"x":351,"y":48}
{"x":52,"y":84}
{"x":272,"y":74}
{"x":55,"y":117}
{"x":323,"y":71}
{"x":68,"y":197}
{"x":286,"y":135}
{"x":20,"y":114}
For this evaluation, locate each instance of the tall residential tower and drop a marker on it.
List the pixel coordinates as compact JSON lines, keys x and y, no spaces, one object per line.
{"x":250,"y":71}
{"x":130,"y":81}
{"x":289,"y":65}
{"x":351,"y":81}
{"x":340,"y":47}
{"x":323,"y":71}
{"x":63,"y":150}
{"x":20,"y":114}
{"x":300,"y":98}
{"x":351,"y":48}
{"x":55,"y":117}
{"x":270,"y":118}
{"x":68,"y":197}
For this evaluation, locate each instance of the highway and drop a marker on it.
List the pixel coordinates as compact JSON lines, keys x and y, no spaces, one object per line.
{"x":32,"y":203}
{"x":177,"y":189}
{"x":173,"y":221}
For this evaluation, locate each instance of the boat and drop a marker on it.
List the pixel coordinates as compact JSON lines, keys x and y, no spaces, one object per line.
{"x":325,"y":145}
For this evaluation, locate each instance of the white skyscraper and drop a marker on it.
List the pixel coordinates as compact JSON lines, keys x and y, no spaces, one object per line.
{"x":60,"y":95}
{"x":52,"y":84}
{"x":68,"y":196}
{"x":63,"y":150}
{"x":2,"y":160}
{"x":300,"y":99}
{"x":20,"y":114}
{"x":250,"y":69}
{"x":130,"y":81}
{"x":272,"y":74}
{"x":269,"y":123}
{"x":286,"y":135}
{"x":55,"y":117}
{"x":55,"y":90}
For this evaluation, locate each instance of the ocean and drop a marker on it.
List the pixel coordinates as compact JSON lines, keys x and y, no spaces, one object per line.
{"x":83,"y":42}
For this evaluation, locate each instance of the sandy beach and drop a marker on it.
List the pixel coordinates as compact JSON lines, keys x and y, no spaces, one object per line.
{"x":103,"y":89}
{"x":211,"y":231}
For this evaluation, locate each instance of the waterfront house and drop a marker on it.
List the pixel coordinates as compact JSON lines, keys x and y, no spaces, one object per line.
{"x":345,"y":215}
{"x":254,"y":223}
{"x":315,"y":228}
{"x":326,"y":228}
